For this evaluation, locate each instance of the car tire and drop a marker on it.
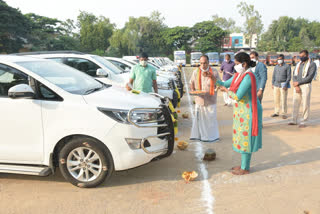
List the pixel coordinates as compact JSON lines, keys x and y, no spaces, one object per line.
{"x":174,"y":99}
{"x":85,"y":162}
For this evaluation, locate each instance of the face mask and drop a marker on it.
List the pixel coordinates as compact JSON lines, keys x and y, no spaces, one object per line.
{"x":303,"y":59}
{"x":143,"y":63}
{"x":239,"y":68}
{"x":280,"y":61}
{"x":205,"y":70}
{"x":254,"y":60}
{"x":227,"y":60}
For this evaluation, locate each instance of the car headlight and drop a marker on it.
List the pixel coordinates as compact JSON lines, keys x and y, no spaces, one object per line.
{"x":118,"y":115}
{"x":138,"y":117}
{"x":144,"y":116}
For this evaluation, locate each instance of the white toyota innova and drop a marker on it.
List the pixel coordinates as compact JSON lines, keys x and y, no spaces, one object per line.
{"x":55,"y":116}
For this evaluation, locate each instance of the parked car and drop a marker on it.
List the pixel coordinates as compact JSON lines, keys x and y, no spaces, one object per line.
{"x":89,"y":64}
{"x":55,"y":116}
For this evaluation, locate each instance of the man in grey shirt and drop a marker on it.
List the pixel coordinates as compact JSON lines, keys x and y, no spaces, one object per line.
{"x":302,"y":78}
{"x":280,"y":83}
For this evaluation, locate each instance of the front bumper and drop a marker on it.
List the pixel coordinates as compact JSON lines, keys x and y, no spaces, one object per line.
{"x":159,"y":138}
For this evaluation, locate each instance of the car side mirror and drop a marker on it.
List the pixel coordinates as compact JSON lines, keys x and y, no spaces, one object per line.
{"x":101,"y":73}
{"x":21,"y":91}
{"x":127,"y":69}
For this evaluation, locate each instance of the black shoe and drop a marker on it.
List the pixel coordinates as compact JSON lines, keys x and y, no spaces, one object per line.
{"x":275,"y":115}
{"x":284,"y":117}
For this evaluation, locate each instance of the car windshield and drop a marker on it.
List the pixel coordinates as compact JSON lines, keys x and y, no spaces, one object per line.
{"x":63,"y":76}
{"x":180,"y":57}
{"x":128,"y":62}
{"x":107,"y":64}
{"x":213,"y":56}
{"x":196,"y":56}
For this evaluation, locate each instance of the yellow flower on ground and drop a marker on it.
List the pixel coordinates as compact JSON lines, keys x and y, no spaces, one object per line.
{"x":248,"y":116}
{"x":239,"y":129}
{"x":247,"y":127}
{"x":245,"y":143}
{"x":236,"y":113}
{"x":241,"y":111}
{"x":233,"y":139}
{"x":246,"y":137}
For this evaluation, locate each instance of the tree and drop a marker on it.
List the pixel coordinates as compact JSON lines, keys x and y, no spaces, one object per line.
{"x":207,"y":36}
{"x":253,"y":24}
{"x":94,"y":31}
{"x":140,"y":34}
{"x":177,"y":38}
{"x":14,"y":28}
{"x":288,"y":34}
{"x":228,"y":25}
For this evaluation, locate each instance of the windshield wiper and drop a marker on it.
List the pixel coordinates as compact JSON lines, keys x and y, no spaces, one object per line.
{"x":91,"y":90}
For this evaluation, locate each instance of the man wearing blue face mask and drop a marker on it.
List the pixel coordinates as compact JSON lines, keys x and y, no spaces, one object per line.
{"x":302,"y":77}
{"x":280,"y":83}
{"x":260,"y":72}
{"x":143,"y":77}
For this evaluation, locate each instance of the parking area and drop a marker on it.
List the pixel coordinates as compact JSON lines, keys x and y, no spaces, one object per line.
{"x":285,"y":174}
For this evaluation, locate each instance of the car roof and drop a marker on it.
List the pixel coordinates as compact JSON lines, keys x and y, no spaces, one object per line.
{"x":14,"y":58}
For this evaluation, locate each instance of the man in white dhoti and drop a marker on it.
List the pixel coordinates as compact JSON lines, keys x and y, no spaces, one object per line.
{"x":205,"y":124}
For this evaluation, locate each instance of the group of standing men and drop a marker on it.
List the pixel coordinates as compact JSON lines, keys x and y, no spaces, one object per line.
{"x":205,"y":126}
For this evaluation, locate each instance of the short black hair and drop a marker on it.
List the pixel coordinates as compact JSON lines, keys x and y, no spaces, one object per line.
{"x":254,"y":53}
{"x":205,"y":57}
{"x":244,"y":57}
{"x":143,"y":55}
{"x":281,"y":56}
{"x":305,"y":51}
{"x":228,"y":56}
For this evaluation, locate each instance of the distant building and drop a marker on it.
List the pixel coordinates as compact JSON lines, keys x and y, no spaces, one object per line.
{"x":238,"y":41}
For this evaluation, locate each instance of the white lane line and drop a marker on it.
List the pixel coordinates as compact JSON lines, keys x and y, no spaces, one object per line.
{"x":206,"y":195}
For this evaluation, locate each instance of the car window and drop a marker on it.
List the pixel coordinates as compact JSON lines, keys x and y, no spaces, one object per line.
{"x":83,"y":65}
{"x":10,"y":77}
{"x":121,"y":65}
{"x":47,"y":94}
{"x":107,"y":64}
{"x":65,"y":77}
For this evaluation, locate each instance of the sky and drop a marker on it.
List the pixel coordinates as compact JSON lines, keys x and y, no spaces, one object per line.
{"x":175,"y":12}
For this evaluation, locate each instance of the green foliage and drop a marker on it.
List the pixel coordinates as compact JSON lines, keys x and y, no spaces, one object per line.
{"x":228,"y":25}
{"x":207,"y":36}
{"x":94,"y":31}
{"x":140,"y":34}
{"x":253,"y":23}
{"x":289,"y":34}
{"x":177,"y":38}
{"x":13,"y":28}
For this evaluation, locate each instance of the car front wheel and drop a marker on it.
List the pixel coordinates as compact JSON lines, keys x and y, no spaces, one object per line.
{"x":85,"y":162}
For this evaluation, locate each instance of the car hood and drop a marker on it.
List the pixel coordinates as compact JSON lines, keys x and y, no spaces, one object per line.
{"x":119,"y":98}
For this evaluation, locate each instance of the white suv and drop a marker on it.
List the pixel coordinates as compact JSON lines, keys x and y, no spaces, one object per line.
{"x":89,"y":64}
{"x":53,"y":115}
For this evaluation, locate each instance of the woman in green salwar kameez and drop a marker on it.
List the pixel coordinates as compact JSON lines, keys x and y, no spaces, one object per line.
{"x":247,"y":111}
